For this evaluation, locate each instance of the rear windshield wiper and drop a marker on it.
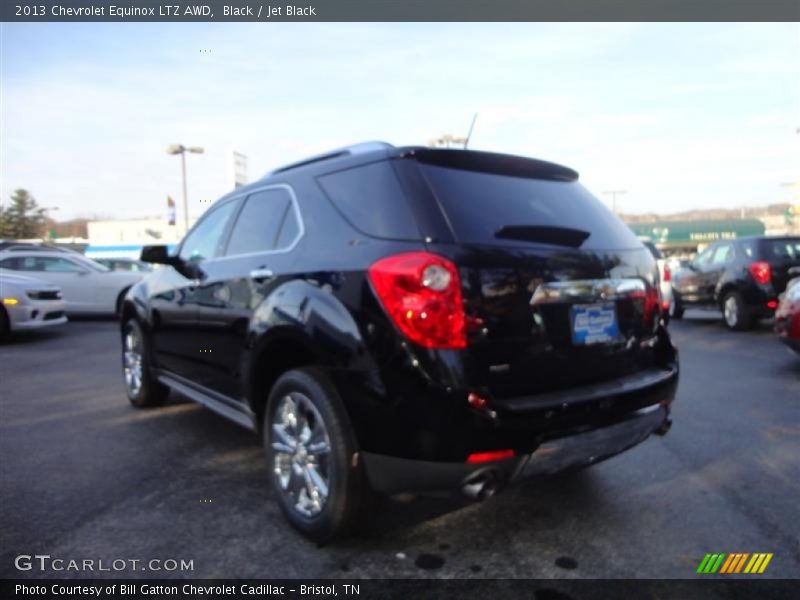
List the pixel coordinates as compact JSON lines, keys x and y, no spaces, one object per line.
{"x":545,"y":234}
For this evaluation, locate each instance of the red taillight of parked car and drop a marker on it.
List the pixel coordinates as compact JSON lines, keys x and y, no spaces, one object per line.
{"x":667,"y":273}
{"x":421,"y":292}
{"x":761,"y":272}
{"x":482,"y":457}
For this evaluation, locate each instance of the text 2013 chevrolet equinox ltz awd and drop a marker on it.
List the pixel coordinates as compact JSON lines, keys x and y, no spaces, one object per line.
{"x":408,"y":319}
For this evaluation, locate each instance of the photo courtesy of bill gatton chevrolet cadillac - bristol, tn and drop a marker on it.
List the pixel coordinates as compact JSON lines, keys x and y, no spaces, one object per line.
{"x":408,"y":319}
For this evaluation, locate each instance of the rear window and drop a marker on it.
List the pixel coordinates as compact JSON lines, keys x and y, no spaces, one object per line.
{"x":479,"y":204}
{"x":370,"y":198}
{"x":781,"y":249}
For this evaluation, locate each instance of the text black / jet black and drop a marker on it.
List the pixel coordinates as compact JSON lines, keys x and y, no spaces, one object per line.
{"x":405,"y":319}
{"x":743,"y":278}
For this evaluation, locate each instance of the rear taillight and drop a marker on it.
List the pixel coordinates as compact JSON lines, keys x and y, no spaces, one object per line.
{"x":667,"y":273}
{"x":650,"y":299}
{"x":421,"y":292}
{"x":482,"y":457}
{"x":761,"y":272}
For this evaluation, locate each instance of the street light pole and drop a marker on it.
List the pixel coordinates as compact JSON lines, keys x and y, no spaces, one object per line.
{"x":185,"y":195}
{"x":614,"y":194}
{"x":182,"y":150}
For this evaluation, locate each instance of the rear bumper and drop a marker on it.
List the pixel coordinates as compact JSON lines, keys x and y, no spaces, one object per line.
{"x":391,"y":474}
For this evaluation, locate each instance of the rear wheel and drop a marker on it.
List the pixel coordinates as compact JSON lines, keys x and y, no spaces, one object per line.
{"x":735,"y":313}
{"x":312,"y":455}
{"x":142,"y":387}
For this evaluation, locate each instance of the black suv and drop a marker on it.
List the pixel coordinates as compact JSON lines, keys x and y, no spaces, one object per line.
{"x":742,"y":277}
{"x":408,"y":319}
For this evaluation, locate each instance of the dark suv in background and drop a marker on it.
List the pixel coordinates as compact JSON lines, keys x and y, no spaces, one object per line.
{"x":403,"y":319}
{"x":743,"y":278}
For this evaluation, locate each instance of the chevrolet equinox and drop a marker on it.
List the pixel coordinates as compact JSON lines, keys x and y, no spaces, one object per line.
{"x":408,"y":319}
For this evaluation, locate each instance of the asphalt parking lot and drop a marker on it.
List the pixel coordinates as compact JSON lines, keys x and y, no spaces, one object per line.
{"x":86,"y":476}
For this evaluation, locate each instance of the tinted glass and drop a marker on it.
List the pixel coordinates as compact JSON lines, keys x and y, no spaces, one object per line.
{"x":41,"y":263}
{"x":722,"y":254}
{"x":289,"y":230}
{"x":479,"y":204}
{"x":781,"y":249}
{"x":203,"y":242}
{"x":372,"y":201}
{"x":258,"y":226}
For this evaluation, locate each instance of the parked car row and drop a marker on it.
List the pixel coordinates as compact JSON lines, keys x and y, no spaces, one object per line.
{"x":87,"y":287}
{"x":743,"y":278}
{"x":28,"y":303}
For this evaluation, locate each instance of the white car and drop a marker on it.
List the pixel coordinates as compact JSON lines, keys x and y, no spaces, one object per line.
{"x":28,"y":303}
{"x":665,"y":276}
{"x":87,"y":286}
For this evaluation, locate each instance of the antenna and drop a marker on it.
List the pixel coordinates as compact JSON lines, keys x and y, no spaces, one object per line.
{"x":471,"y":127}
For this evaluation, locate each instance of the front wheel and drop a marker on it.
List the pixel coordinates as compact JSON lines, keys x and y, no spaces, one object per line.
{"x":735,"y":312}
{"x":143,"y":389}
{"x":312,"y":455}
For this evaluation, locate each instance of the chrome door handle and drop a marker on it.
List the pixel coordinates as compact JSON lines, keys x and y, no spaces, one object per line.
{"x":261,"y":273}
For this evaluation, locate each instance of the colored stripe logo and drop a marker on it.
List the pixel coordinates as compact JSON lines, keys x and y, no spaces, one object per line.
{"x":737,"y":562}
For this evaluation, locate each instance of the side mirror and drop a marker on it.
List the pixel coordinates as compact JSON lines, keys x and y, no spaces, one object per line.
{"x":157,"y":255}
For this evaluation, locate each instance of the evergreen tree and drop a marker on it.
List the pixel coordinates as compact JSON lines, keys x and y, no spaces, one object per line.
{"x":22,"y":218}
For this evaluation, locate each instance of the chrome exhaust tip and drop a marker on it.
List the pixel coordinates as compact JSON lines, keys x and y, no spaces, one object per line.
{"x":481,"y":487}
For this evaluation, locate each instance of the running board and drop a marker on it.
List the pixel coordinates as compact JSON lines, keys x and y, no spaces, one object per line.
{"x":241,"y":416}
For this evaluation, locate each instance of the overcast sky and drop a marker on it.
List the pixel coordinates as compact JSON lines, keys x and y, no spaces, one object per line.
{"x":679,"y":115}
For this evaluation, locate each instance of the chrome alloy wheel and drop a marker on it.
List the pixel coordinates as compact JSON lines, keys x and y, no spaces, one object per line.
{"x":301,"y":447}
{"x":132,"y":363}
{"x":731,"y":311}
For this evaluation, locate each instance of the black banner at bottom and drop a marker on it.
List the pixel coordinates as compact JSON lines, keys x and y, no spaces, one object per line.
{"x":307,"y":589}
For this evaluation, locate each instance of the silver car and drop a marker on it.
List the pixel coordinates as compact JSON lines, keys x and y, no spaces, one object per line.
{"x":87,"y":286}
{"x":28,"y":303}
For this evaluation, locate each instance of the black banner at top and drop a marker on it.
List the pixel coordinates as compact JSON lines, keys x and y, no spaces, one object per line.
{"x":397,"y":10}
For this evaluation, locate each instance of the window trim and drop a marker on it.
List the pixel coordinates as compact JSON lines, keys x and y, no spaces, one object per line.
{"x":245,"y":195}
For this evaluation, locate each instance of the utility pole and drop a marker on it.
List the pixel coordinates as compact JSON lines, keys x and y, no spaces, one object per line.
{"x":614,"y":194}
{"x":182,"y":150}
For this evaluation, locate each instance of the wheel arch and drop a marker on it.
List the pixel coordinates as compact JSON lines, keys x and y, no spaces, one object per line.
{"x":298,"y":325}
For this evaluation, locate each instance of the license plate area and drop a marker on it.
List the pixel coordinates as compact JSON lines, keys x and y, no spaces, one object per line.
{"x":594,"y":323}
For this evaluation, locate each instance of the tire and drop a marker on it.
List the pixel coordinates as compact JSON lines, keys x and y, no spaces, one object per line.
{"x":314,"y":468}
{"x":143,"y":390}
{"x":676,"y":308}
{"x":735,"y":313}
{"x":5,"y":325}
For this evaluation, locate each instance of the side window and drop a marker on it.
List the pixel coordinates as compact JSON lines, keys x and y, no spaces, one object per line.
{"x":704,"y":257}
{"x":722,"y":255}
{"x":11,"y":263}
{"x":41,"y":263}
{"x":371,"y":200}
{"x":267,"y":222}
{"x":747,"y":249}
{"x":203,"y":242}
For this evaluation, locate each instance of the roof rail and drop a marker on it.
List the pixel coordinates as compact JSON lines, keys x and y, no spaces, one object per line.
{"x":361,"y":148}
